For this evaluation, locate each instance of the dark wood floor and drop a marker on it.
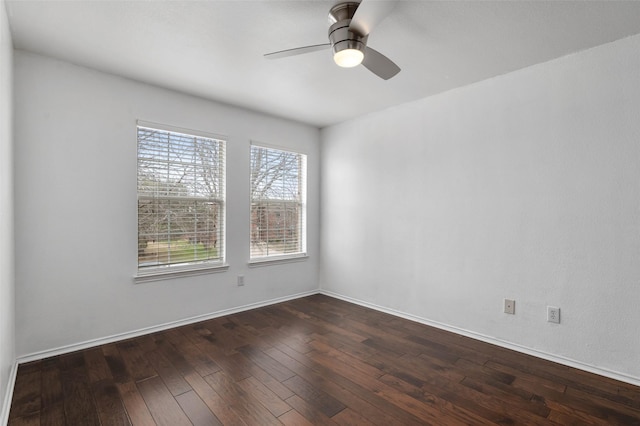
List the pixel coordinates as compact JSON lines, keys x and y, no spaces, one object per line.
{"x":315,"y":360}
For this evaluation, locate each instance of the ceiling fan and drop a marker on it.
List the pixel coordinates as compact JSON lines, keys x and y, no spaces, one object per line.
{"x":350,"y":25}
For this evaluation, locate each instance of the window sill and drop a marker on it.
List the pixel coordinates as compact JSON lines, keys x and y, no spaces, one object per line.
{"x":179,"y":272}
{"x":275,"y":260}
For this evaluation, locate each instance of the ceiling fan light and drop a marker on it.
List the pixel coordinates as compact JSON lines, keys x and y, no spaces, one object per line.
{"x":348,"y":58}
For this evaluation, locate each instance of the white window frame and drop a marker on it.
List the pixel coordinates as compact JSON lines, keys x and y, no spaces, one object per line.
{"x":196,"y":267}
{"x":301,"y":254}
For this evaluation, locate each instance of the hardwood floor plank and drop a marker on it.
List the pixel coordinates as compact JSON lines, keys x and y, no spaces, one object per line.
{"x":225,"y":340}
{"x":345,"y":359}
{"x":192,"y":354}
{"x":162,"y":406}
{"x":630,"y":392}
{"x":250,"y":410}
{"x":454,"y":414}
{"x":531,"y":413}
{"x":31,"y":367}
{"x":482,"y":372}
{"x":268,"y":364}
{"x":290,"y":336}
{"x":274,"y":385}
{"x":197,"y":410}
{"x":448,"y":351}
{"x":111,"y":410}
{"x":97,"y":366}
{"x":310,"y":412}
{"x":172,"y":378}
{"x":323,"y":377}
{"x":134,"y":403}
{"x":388,"y":348}
{"x":371,"y":406}
{"x":51,"y":392}
{"x":146,"y":343}
{"x":235,"y":365}
{"x":493,"y":383}
{"x":213,"y":400}
{"x":261,"y":393}
{"x":609,"y":397}
{"x":527,"y":381}
{"x":416,"y":370}
{"x":173,"y":355}
{"x":319,"y":327}
{"x":79,"y":406}
{"x":348,"y":417}
{"x":32,"y":419}
{"x":313,"y":360}
{"x":346,"y":345}
{"x":446,"y":385}
{"x":247,"y":334}
{"x":559,"y":403}
{"x":406,"y":402}
{"x":293,"y":418}
{"x":375,"y":332}
{"x":251,"y":320}
{"x":135,"y":362}
{"x":53,"y":415}
{"x":319,"y":399}
{"x":27,"y":394}
{"x":116,"y":364}
{"x":606,"y":409}
{"x":568,"y":420}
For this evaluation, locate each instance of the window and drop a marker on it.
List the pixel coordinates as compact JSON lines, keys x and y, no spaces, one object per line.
{"x":278,"y":203}
{"x":180,"y":199}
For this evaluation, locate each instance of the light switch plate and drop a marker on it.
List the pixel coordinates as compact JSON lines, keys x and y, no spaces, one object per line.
{"x":509,"y":306}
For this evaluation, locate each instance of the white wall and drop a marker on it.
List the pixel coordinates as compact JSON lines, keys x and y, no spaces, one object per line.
{"x":75,"y":195}
{"x":7,"y":342}
{"x":525,"y":186}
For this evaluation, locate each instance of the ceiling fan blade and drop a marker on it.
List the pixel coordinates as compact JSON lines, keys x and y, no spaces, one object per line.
{"x":379,"y":64}
{"x":297,"y":51}
{"x":369,"y":14}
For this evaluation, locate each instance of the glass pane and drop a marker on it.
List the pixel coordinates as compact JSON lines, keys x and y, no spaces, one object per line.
{"x":276,"y":194}
{"x":275,"y":174}
{"x":171,"y":232}
{"x":275,"y":228}
{"x":180,"y":191}
{"x":179,"y":165}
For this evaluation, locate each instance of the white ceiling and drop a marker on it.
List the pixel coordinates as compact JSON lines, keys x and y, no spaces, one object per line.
{"x":214,"y":49}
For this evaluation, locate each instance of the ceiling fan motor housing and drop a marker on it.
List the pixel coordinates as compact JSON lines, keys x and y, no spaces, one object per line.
{"x":340,"y":36}
{"x":350,"y":23}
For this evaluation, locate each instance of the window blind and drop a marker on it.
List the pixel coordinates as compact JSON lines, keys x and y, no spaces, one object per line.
{"x":278,"y":202}
{"x":181,"y":198}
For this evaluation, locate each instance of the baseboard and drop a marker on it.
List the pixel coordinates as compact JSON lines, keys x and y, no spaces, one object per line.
{"x":6,"y":403}
{"x":147,"y":330}
{"x":488,"y":339}
{"x":477,"y":336}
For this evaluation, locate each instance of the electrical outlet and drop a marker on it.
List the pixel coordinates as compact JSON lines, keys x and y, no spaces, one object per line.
{"x":553,"y":314}
{"x":509,"y":306}
{"x":240,"y":280}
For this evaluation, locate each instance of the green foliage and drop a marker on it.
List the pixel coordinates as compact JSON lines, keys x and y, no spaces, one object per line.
{"x":179,"y":251}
